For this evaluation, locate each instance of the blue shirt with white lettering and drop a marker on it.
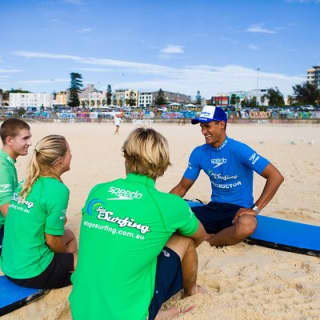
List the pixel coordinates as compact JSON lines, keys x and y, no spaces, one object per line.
{"x":230,"y":169}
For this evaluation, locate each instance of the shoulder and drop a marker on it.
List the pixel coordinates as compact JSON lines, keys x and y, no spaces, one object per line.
{"x":201,"y":149}
{"x":170,"y":200}
{"x":236,"y":145}
{"x":51,"y":185}
{"x":105,"y":186}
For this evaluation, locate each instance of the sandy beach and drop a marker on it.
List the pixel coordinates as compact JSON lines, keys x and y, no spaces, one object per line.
{"x":244,"y":282}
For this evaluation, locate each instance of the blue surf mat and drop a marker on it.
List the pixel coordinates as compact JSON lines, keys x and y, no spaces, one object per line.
{"x":283,"y":234}
{"x":13,"y":296}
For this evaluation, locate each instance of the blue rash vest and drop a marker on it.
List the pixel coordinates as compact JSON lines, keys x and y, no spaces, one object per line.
{"x":230,"y":169}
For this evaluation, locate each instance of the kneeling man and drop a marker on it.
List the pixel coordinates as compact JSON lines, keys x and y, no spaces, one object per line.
{"x":137,"y":244}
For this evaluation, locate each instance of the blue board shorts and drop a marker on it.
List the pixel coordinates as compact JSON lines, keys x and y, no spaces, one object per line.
{"x":1,"y":237}
{"x":168,"y":280}
{"x":216,"y":216}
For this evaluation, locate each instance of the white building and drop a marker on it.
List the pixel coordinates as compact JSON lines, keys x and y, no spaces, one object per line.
{"x":258,"y":94}
{"x":313,"y":76}
{"x":30,"y":100}
{"x":145,"y":99}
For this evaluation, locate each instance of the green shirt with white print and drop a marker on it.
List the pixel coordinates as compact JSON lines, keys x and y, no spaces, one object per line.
{"x":8,"y":180}
{"x":25,"y":253}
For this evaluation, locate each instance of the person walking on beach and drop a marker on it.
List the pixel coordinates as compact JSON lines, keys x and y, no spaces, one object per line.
{"x":117,"y":120}
{"x":16,"y":139}
{"x":231,"y":215}
{"x":38,"y":252}
{"x":137,"y":244}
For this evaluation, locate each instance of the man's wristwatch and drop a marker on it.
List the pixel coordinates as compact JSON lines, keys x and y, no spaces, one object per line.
{"x":256,"y":209}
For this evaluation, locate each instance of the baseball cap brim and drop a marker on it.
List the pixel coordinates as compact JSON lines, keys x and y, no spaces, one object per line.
{"x":201,"y":120}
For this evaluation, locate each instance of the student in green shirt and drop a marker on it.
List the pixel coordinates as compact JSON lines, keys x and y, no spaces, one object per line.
{"x":38,"y":252}
{"x":137,"y":244}
{"x":16,"y":139}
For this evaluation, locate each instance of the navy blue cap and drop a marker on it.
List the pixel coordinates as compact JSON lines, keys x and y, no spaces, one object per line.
{"x":210,"y":113}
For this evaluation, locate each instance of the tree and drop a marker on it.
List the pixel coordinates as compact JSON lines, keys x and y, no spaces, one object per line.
{"x":274,"y":96}
{"x":233,"y":100}
{"x":75,"y":88}
{"x":109,"y":95}
{"x":290,"y":100}
{"x":21,"y":111}
{"x":306,"y":93}
{"x":160,"y":98}
{"x":252,"y":103}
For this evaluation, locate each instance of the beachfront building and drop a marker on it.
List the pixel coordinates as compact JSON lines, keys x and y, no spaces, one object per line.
{"x":24,"y":100}
{"x":259,"y":95}
{"x":220,"y":99}
{"x":91,"y":97}
{"x":60,"y":98}
{"x":173,"y":97}
{"x":131,"y":97}
{"x":120,"y":97}
{"x":313,"y":76}
{"x":0,"y":99}
{"x":145,"y":99}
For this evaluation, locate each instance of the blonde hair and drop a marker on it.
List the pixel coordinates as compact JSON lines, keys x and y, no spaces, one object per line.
{"x":45,"y":155}
{"x":146,"y":152}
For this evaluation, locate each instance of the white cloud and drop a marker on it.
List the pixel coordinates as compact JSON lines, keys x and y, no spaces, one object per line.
{"x":10,"y":70}
{"x":95,"y":69}
{"x":137,"y":66}
{"x":258,"y":28}
{"x":85,"y":30}
{"x":253,"y":47}
{"x":45,"y":81}
{"x":208,"y":79}
{"x":172,"y":49}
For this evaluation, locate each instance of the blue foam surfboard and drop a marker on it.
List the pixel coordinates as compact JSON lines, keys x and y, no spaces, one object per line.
{"x":13,"y":296}
{"x":284,"y":234}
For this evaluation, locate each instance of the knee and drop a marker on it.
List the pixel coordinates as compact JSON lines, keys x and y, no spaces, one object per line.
{"x":246,"y":225}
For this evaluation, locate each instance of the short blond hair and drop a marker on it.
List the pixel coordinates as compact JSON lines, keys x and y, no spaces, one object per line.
{"x":146,"y":152}
{"x":46,"y":152}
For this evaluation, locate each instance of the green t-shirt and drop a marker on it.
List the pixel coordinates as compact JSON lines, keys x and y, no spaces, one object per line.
{"x":25,"y":253}
{"x":124,"y":227}
{"x":8,"y":180}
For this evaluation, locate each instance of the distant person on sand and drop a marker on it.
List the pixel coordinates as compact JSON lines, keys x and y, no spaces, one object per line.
{"x":38,"y":252}
{"x":16,"y":139}
{"x":117,"y":120}
{"x":137,"y":244}
{"x":231,"y":215}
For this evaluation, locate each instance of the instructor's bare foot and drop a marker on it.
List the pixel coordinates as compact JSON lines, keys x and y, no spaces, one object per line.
{"x":195,"y":290}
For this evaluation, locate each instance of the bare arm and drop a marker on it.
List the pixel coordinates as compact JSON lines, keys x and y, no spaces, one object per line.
{"x":274,"y":180}
{"x":4,"y":209}
{"x":200,"y":235}
{"x":182,"y":187}
{"x":55,"y":243}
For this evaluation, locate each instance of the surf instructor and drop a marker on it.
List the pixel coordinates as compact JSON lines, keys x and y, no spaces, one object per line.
{"x":230,"y":217}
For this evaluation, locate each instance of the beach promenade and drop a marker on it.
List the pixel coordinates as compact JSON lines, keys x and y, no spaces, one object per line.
{"x":244,"y":282}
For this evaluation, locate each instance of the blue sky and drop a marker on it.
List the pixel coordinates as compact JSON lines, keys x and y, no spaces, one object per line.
{"x":179,"y":45}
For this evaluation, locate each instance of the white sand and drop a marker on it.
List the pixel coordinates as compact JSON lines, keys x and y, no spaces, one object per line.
{"x":244,"y":282}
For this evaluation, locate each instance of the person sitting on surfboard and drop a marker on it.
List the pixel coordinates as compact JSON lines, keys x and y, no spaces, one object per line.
{"x":131,"y":259}
{"x":38,"y":252}
{"x":16,"y":138}
{"x":229,"y":164}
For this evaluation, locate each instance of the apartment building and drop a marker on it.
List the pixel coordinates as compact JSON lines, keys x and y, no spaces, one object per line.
{"x":146,"y":99}
{"x":30,"y":99}
{"x":313,"y":76}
